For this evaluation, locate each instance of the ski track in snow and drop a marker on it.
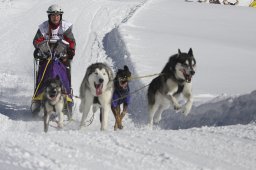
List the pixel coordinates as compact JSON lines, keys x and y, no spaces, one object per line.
{"x":24,"y":145}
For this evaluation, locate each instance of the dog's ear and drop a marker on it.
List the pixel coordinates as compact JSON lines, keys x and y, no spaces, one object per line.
{"x":47,"y":82}
{"x":128,"y":72}
{"x":58,"y":80}
{"x":179,"y":52}
{"x":118,"y":71}
{"x":126,"y":68}
{"x":63,"y":89}
{"x":190,"y":52}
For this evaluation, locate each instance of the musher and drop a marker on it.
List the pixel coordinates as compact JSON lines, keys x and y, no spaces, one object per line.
{"x":55,"y":28}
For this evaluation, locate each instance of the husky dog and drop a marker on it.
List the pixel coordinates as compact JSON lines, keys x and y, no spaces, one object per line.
{"x":173,"y":80}
{"x":121,"y":95}
{"x":97,"y":89}
{"x":53,"y":101}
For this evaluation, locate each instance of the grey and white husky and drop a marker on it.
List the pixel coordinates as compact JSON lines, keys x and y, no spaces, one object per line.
{"x":97,"y":90}
{"x":173,"y":80}
{"x":53,"y":102}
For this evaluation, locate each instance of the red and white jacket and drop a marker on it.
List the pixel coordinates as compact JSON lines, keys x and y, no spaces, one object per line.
{"x":63,"y":31}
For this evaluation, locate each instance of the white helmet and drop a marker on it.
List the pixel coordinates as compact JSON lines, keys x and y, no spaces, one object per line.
{"x":55,"y":9}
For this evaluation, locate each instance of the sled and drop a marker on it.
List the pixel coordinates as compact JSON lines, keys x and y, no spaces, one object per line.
{"x":49,"y":66}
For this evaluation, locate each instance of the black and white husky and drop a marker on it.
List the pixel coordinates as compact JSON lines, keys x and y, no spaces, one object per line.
{"x":97,"y":90}
{"x":173,"y":80}
{"x":53,"y":102}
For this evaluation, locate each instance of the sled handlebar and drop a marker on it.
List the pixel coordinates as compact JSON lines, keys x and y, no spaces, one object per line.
{"x":56,"y":41}
{"x":58,"y":49}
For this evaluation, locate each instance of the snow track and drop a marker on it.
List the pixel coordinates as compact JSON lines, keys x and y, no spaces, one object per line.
{"x":132,"y":148}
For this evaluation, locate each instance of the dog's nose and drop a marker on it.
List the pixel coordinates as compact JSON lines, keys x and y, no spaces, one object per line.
{"x":192,"y":72}
{"x":101,"y":80}
{"x":54,"y":91}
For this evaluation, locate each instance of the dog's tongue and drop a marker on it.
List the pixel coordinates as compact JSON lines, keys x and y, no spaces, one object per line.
{"x":52,"y":96}
{"x":189,"y":78}
{"x":98,"y":89}
{"x":124,"y":85}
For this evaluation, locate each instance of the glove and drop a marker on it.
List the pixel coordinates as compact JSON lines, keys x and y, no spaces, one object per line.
{"x":37,"y":54}
{"x":71,"y":53}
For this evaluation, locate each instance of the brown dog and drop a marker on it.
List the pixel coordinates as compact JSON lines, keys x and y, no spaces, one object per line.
{"x":121,"y":96}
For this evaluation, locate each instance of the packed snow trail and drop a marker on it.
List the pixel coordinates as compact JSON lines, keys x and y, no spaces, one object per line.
{"x":131,"y":148}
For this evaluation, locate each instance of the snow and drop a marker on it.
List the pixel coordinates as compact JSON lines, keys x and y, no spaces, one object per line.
{"x":220,"y":131}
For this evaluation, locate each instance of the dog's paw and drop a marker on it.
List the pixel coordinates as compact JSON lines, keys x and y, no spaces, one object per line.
{"x":81,"y":125}
{"x":156,"y":122}
{"x":185,"y":110}
{"x":60,"y":125}
{"x":149,"y":126}
{"x":157,"y":119}
{"x":115,"y":128}
{"x":120,"y":126}
{"x":176,"y":107}
{"x":103,"y":128}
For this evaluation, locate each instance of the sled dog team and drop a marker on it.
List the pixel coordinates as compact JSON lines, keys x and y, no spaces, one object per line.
{"x":55,"y":45}
{"x":101,"y":90}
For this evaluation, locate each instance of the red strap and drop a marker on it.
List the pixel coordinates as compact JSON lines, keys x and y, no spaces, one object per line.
{"x":71,"y":43}
{"x":39,"y":40}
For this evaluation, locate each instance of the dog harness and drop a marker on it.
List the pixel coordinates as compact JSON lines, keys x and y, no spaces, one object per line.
{"x":120,"y":96}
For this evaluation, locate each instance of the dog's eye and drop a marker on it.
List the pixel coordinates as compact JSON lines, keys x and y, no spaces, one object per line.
{"x":96,"y":73}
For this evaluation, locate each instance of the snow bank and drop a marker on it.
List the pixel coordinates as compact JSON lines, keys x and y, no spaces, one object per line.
{"x":220,"y":112}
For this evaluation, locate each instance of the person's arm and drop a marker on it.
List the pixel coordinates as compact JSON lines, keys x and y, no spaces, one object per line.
{"x":69,"y":37}
{"x":38,"y":38}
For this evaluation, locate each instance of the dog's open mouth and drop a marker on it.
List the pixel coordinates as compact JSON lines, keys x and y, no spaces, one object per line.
{"x":52,"y":96}
{"x":187,"y":77}
{"x":98,"y":88}
{"x":123,"y":84}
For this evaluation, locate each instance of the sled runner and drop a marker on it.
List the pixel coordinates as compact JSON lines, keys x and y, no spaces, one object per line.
{"x":50,"y":66}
